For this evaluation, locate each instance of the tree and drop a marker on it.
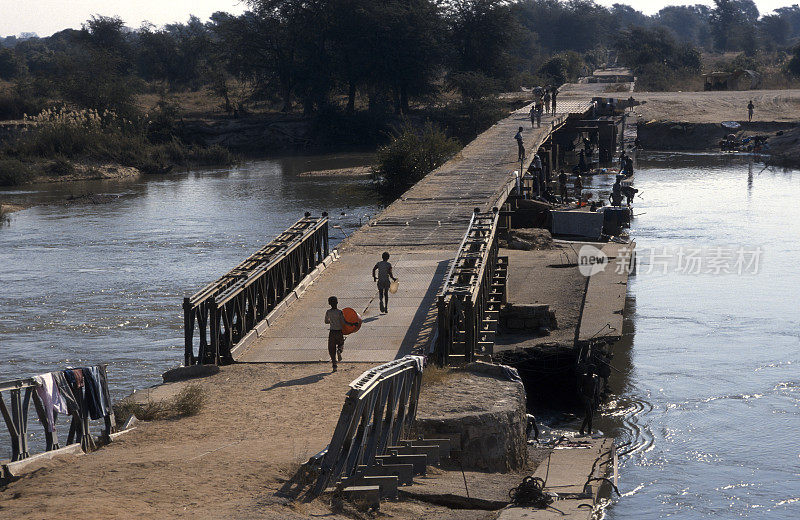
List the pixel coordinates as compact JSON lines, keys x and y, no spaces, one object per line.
{"x":774,"y":30}
{"x":482,"y":32}
{"x":10,"y":64}
{"x":733,"y":24}
{"x":794,"y":63}
{"x":640,"y":47}
{"x":687,"y":22}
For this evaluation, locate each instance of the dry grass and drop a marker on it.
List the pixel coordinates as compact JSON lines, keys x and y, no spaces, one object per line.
{"x":436,"y":375}
{"x":189,"y":401}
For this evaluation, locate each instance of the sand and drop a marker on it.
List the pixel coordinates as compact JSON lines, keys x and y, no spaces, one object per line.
{"x":353,"y":171}
{"x":715,"y":107}
{"x":260,"y":422}
{"x":226,"y":462}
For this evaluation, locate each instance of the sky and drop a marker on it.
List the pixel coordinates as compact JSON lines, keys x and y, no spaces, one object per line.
{"x":44,"y":17}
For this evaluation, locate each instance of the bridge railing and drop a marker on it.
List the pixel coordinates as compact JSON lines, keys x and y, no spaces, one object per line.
{"x":469,"y":302}
{"x":379,"y":407}
{"x":84,"y":401}
{"x":226,"y":310}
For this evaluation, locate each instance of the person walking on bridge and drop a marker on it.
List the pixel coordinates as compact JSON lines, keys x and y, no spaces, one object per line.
{"x":520,"y":144}
{"x":335,"y":318}
{"x":547,"y":101}
{"x":381,"y":273}
{"x":750,"y":107}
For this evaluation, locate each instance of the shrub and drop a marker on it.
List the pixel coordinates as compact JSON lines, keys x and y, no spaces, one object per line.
{"x":14,"y":105}
{"x":89,"y":134}
{"x":214,"y":155}
{"x":189,"y":401}
{"x":13,"y":172}
{"x":61,"y":166}
{"x":472,"y":85}
{"x":410,"y":156}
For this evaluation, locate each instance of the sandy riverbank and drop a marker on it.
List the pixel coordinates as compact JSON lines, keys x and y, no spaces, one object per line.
{"x":718,"y":106}
{"x":354,"y":171}
{"x":259,"y":423}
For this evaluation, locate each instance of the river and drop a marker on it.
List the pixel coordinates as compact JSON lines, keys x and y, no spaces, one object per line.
{"x":87,"y":283}
{"x":708,"y":387}
{"x":706,"y":383}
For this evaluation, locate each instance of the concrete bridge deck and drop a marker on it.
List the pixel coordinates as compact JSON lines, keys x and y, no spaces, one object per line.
{"x":422,"y":231}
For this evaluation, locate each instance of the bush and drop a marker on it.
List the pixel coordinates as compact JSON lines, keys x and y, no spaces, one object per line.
{"x":13,"y":172}
{"x":472,"y":85}
{"x":214,"y":155}
{"x":61,"y":166}
{"x":411,"y":156}
{"x":88,"y":134}
{"x":15,"y":103}
{"x":189,"y":401}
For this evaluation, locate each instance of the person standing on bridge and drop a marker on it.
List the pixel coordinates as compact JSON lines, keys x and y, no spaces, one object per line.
{"x":335,"y":318}
{"x":520,"y":144}
{"x":554,"y":94}
{"x":381,"y":273}
{"x":547,"y":101}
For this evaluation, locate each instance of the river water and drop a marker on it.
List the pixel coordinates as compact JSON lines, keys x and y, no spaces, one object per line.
{"x":706,"y":378}
{"x":84,"y":283}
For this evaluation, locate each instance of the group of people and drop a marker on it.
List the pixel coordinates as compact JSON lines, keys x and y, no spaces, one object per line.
{"x":381,"y":274}
{"x":544,"y":101}
{"x":577,"y":186}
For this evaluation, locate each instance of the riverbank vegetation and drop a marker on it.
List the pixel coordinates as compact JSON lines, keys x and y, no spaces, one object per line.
{"x":187,"y":402}
{"x":410,"y":156}
{"x":363,"y":72}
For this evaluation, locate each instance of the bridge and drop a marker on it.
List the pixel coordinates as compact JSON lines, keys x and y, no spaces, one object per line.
{"x":422,"y":231}
{"x":267,"y":314}
{"x":270,"y":308}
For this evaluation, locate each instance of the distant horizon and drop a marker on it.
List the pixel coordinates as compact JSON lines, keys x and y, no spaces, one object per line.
{"x":29,"y":18}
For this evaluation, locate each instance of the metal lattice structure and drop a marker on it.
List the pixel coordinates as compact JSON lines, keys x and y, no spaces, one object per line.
{"x":223,"y":312}
{"x":377,"y":409}
{"x":21,"y":392}
{"x":473,"y":292}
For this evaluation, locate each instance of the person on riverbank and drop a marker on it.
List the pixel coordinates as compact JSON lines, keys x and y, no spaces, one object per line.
{"x":520,"y":144}
{"x":616,"y":192}
{"x":629,"y":192}
{"x":335,"y":319}
{"x":589,"y":389}
{"x":578,"y":186}
{"x":628,"y":166}
{"x":562,"y":186}
{"x":750,"y":108}
{"x":382,"y":273}
{"x":536,"y":168}
{"x":583,"y":167}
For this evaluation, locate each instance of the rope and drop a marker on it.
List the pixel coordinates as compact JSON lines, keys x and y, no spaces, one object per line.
{"x":530,"y":492}
{"x":616,"y":490}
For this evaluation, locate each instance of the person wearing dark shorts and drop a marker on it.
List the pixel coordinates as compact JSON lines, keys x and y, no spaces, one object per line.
{"x":335,"y":318}
{"x":382,"y":273}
